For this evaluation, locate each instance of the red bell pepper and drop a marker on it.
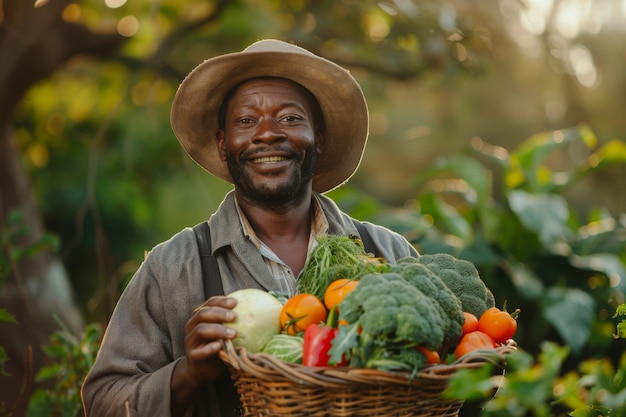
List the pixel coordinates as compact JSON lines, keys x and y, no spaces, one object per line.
{"x":317,"y":342}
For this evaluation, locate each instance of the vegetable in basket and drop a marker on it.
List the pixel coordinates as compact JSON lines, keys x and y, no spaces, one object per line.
{"x":318,"y":341}
{"x":432,"y":286}
{"x":388,"y":318}
{"x":285,"y":347}
{"x":334,"y":257}
{"x":463,"y":279}
{"x":300,"y":312}
{"x":473,"y":341}
{"x":257,"y":318}
{"x":499,"y":324}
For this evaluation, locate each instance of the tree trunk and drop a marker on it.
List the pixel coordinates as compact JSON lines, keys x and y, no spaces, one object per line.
{"x":34,"y":43}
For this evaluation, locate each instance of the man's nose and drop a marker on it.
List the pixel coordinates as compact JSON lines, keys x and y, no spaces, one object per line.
{"x":269,"y":130}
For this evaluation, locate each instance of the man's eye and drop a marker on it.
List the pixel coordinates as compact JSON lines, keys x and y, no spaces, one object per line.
{"x":244,"y":121}
{"x":291,"y":118}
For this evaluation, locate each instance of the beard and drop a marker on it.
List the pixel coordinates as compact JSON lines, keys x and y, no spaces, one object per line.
{"x":269,"y":195}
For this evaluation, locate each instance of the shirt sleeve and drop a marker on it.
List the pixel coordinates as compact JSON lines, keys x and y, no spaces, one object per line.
{"x":144,"y":338}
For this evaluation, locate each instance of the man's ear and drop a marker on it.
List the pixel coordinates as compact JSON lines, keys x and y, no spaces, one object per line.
{"x":319,"y":142}
{"x":221,"y":144}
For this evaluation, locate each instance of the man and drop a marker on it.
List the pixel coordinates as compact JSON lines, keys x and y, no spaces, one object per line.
{"x":283,"y":126}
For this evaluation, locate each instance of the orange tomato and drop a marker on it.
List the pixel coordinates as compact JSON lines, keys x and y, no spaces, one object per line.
{"x":337,"y":291}
{"x":474,"y":341}
{"x":498,"y":324}
{"x":301,"y":311}
{"x":470,"y":324}
{"x":432,"y":356}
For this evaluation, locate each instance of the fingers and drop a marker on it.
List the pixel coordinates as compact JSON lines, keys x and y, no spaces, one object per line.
{"x":205,"y":328}
{"x":206,"y":350}
{"x":204,"y":332}
{"x":220,"y":301}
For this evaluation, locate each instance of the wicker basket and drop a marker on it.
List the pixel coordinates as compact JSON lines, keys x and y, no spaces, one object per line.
{"x":271,"y":387}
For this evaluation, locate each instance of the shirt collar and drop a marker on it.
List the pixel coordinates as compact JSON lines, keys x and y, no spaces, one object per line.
{"x":319,"y":223}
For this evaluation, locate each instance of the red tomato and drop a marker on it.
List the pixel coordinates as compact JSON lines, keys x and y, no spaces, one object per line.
{"x":301,"y":311}
{"x":470,"y":324}
{"x":498,"y":324}
{"x":474,"y":341}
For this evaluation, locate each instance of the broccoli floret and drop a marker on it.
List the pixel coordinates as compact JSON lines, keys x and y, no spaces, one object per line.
{"x":392,"y":315}
{"x":448,"y":305}
{"x":380,"y":321}
{"x":462,"y":278}
{"x":422,"y":332}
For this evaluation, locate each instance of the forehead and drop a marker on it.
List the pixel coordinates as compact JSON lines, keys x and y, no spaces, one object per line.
{"x":269,"y":85}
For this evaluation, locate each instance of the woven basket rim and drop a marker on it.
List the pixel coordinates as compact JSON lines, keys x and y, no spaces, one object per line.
{"x":264,"y":366}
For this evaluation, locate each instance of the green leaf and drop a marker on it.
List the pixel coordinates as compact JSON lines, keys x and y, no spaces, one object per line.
{"x":7,"y":317}
{"x":604,"y":236}
{"x":533,"y":151}
{"x":346,"y":340}
{"x":571,"y":312}
{"x":526,"y":282}
{"x":590,"y":412}
{"x":3,"y":359}
{"x":447,"y":216}
{"x":40,"y":403}
{"x":544,"y":214}
{"x":465,"y":168}
{"x":606,"y":263}
{"x":612,"y":153}
{"x":471,"y":384}
{"x":49,"y":372}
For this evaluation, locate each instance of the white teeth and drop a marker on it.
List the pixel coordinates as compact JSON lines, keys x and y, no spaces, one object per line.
{"x":269,"y":159}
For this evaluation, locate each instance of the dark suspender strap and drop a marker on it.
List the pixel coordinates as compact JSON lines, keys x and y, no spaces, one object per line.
{"x":368,"y":243}
{"x":210,"y":271}
{"x":223,"y":390}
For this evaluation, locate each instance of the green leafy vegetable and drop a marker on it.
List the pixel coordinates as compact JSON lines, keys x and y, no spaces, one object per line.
{"x":336,"y":256}
{"x":285,"y":347}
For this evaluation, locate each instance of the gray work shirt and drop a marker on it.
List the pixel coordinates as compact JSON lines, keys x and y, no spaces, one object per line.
{"x":145,"y":336}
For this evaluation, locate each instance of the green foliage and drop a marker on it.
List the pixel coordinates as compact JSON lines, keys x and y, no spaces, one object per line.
{"x":539,"y":387}
{"x":15,"y":243}
{"x":509,"y":215}
{"x":71,"y":360}
{"x":621,"y":326}
{"x":14,"y":246}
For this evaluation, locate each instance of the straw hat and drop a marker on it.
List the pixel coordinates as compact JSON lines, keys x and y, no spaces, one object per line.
{"x":195,"y":109}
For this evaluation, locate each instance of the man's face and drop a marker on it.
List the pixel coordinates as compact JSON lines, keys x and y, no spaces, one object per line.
{"x":269,"y":141}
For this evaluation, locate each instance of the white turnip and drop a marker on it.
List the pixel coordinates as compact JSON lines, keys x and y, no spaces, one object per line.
{"x":258,"y":318}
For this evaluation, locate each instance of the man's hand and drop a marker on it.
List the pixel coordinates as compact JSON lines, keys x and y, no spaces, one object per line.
{"x":204,"y":332}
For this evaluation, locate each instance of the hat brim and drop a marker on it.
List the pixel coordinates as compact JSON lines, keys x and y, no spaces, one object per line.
{"x":194,"y":115}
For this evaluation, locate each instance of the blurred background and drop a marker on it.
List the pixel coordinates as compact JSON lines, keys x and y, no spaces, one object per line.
{"x":92,"y":176}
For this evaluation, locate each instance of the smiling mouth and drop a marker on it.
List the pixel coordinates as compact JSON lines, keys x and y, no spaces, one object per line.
{"x":268,"y":159}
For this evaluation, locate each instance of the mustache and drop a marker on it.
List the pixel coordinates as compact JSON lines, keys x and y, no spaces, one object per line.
{"x":268,"y":149}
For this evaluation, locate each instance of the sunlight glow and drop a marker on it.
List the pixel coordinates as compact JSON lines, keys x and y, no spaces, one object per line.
{"x":128,"y":26}
{"x":114,"y":4}
{"x":564,"y":22}
{"x":376,"y":26}
{"x":569,"y":18}
{"x":534,"y":16}
{"x":38,"y":155}
{"x":583,"y":67}
{"x":72,"y":13}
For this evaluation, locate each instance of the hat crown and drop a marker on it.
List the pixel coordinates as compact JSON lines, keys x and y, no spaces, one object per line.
{"x":274,"y":45}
